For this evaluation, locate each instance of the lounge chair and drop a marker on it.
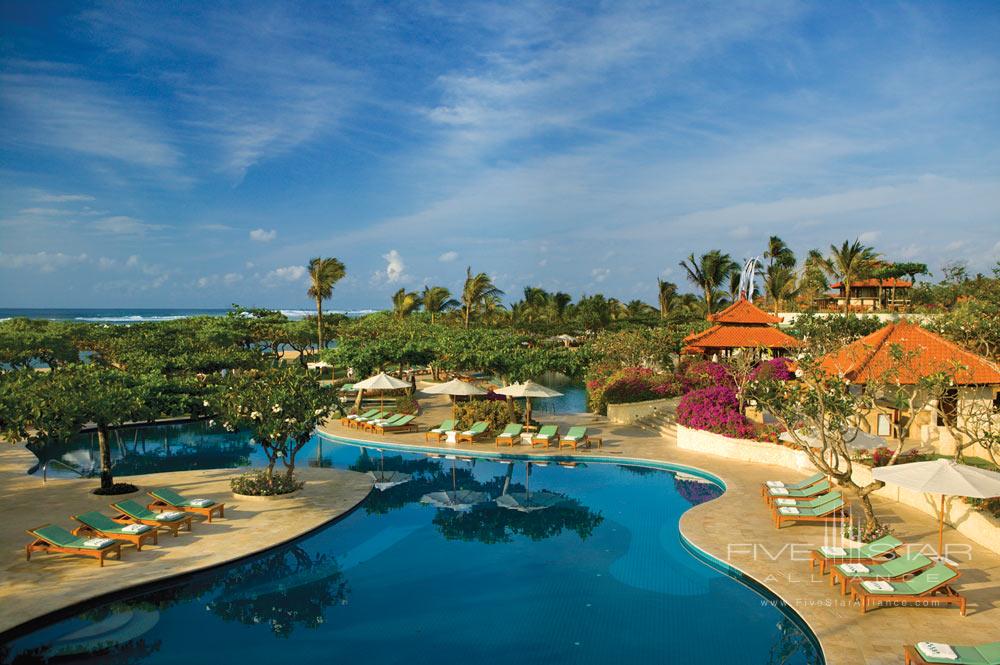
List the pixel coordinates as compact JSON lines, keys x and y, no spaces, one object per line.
{"x":810,"y":492}
{"x":800,"y":485}
{"x":894,"y":569}
{"x":474,"y":433}
{"x":133,"y":512}
{"x":401,"y":424}
{"x":546,"y":435}
{"x":379,"y":415}
{"x":166,"y":498}
{"x":370,"y":425}
{"x":440,"y":432}
{"x":510,"y":434}
{"x":931,"y":587}
{"x":928,"y":653}
{"x":814,"y":502}
{"x":577,"y":435}
{"x":99,"y":524}
{"x":871,"y":552}
{"x":831,"y":512}
{"x":346,"y":420}
{"x":52,"y":538}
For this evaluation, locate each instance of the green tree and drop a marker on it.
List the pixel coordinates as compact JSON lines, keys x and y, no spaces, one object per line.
{"x":778,"y":254}
{"x":323,"y":274}
{"x":709,"y":273}
{"x":779,"y":284}
{"x":812,"y":279}
{"x":849,"y":263}
{"x":478,"y":293}
{"x":437,"y":300}
{"x":666,"y":296}
{"x":405,"y":303}
{"x":24,"y":342}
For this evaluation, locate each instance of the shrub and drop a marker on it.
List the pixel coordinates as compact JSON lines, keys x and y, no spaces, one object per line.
{"x":117,"y":488}
{"x":628,"y":389}
{"x":865,"y":533}
{"x":991,"y":506}
{"x":258,"y":483}
{"x":714,"y":409}
{"x":881,"y":456}
{"x":700,"y":374}
{"x":496,"y":413}
{"x":775,"y":368}
{"x":406,"y":404}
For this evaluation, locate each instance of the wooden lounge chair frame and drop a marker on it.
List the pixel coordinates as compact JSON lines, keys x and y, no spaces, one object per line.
{"x":173,"y":526}
{"x":346,"y":420}
{"x":537,"y":440}
{"x":508,"y":439}
{"x":814,"y":489}
{"x":136,"y":539}
{"x":765,"y":493}
{"x":437,"y":436}
{"x":586,"y":438}
{"x":472,"y":438}
{"x":833,"y":516}
{"x":942,"y":594}
{"x":40,"y":544}
{"x":409,"y":426}
{"x":837,"y":576}
{"x":159,"y":505}
{"x":816,"y":558}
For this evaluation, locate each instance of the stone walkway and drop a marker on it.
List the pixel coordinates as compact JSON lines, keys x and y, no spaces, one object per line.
{"x":737,"y":528}
{"x":50,"y":582}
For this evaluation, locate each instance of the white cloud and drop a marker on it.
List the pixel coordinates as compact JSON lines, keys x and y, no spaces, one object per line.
{"x":63,"y":198}
{"x":42,"y":261}
{"x":600,"y":274}
{"x":285,"y":275}
{"x":448,"y":257}
{"x":231,"y":278}
{"x":261,"y":235}
{"x":869,"y":236}
{"x":395,"y":269}
{"x":123,"y":225}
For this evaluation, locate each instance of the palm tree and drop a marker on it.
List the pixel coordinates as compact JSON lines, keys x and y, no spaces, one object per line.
{"x":709,"y":273}
{"x":636,"y":309}
{"x":478,"y":292}
{"x":560,"y":301}
{"x":667,"y":293}
{"x":850,"y":262}
{"x":404,"y":303}
{"x":437,"y":300}
{"x":779,"y":283}
{"x":323,"y":274}
{"x":778,"y":253}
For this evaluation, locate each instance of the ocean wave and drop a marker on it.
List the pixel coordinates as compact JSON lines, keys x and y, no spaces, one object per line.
{"x":130,"y":318}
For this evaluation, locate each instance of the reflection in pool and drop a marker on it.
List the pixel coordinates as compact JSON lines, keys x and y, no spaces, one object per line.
{"x":595,"y":572}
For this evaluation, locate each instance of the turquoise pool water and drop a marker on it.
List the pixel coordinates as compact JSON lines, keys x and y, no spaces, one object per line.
{"x":595,"y":572}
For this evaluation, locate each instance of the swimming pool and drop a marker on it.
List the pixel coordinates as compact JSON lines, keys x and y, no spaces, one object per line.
{"x":584,"y":564}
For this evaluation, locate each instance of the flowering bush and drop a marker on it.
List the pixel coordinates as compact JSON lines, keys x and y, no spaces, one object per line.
{"x":866,"y":533}
{"x":775,"y":368}
{"x":629,"y":389}
{"x":881,"y":456}
{"x":715,"y":409}
{"x":259,"y":483}
{"x":703,"y":374}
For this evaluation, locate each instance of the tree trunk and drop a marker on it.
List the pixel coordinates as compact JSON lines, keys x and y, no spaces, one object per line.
{"x":107,"y":480}
{"x":468,"y":311}
{"x":847,"y":295}
{"x":319,"y":324}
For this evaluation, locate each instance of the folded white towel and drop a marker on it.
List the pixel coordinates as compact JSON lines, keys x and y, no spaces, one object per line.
{"x":201,"y":503}
{"x":136,"y":528}
{"x":876,"y":585}
{"x":855,"y":568}
{"x":170,"y":515}
{"x":833,"y":551}
{"x":778,"y":491}
{"x":353,"y":416}
{"x":785,"y":502}
{"x":937,"y":650}
{"x":438,"y":430}
{"x":775,"y":483}
{"x":468,"y":432}
{"x":569,"y":438}
{"x":788,"y":510}
{"x":98,"y":542}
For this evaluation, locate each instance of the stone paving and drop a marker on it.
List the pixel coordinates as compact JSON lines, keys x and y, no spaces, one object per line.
{"x":737,"y":528}
{"x":49,"y":582}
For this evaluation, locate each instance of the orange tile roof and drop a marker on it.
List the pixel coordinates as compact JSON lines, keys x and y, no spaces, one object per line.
{"x":743,"y":311}
{"x":869,"y":358}
{"x":738,"y":337}
{"x":887,"y":283}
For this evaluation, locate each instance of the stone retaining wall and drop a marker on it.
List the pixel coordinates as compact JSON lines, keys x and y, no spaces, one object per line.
{"x":626,"y":414}
{"x":976,"y":525}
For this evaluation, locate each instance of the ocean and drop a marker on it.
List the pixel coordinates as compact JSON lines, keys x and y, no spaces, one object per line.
{"x":139,"y":314}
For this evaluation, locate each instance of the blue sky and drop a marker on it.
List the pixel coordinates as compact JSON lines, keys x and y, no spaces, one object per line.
{"x":198,"y":154}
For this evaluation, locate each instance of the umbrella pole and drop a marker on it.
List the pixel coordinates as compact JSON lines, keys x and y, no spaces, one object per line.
{"x":941,"y":530}
{"x":454,"y":409}
{"x":527,"y":410}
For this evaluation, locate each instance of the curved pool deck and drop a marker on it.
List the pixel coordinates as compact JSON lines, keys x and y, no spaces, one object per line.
{"x":735,"y":530}
{"x":49,"y":583}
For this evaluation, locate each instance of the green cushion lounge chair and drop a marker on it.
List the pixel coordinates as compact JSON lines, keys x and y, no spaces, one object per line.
{"x":893,"y":569}
{"x":52,"y":538}
{"x":871,"y":552}
{"x":922,"y":654}
{"x":930,"y":587}
{"x":379,"y":415}
{"x":402,"y":424}
{"x":167,"y":498}
{"x":510,"y":434}
{"x":800,"y":485}
{"x":814,"y":502}
{"x":370,"y":425}
{"x":133,"y":512}
{"x":577,"y":435}
{"x":546,"y":435}
{"x":773,"y":493}
{"x":474,"y":433}
{"x":95,"y":523}
{"x":440,"y":432}
{"x":832,"y":512}
{"x":367,"y":414}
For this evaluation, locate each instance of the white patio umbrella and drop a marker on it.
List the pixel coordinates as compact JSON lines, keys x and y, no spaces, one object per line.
{"x":527,"y":390}
{"x":525,"y":501}
{"x":455,"y":387}
{"x":321,"y":364}
{"x":942,"y":476}
{"x":381,"y":382}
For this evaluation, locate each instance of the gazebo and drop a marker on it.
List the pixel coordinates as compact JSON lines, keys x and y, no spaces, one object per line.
{"x":742,"y":325}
